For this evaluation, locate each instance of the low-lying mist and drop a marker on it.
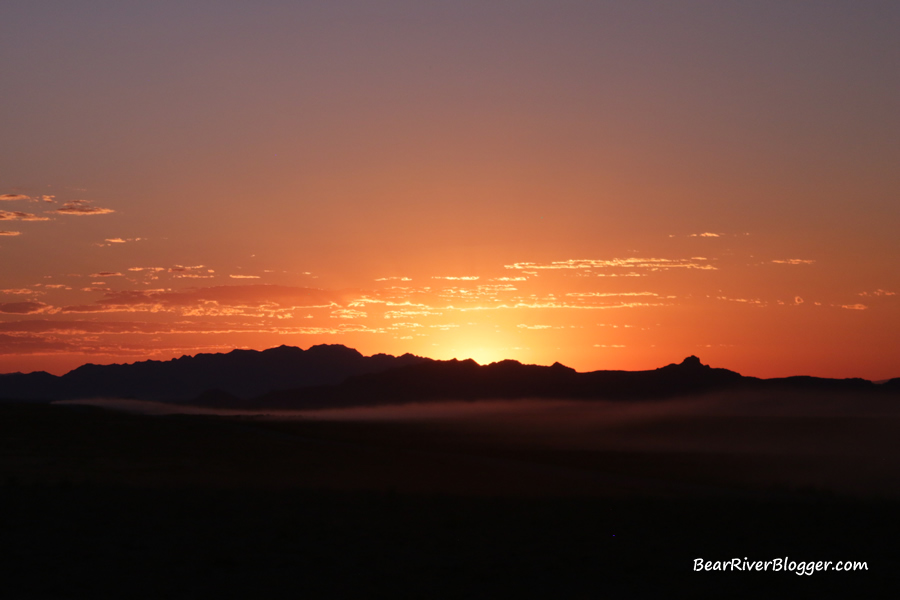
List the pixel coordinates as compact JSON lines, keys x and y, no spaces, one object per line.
{"x":838,"y":442}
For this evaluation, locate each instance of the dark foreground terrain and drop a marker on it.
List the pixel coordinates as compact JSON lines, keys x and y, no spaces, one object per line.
{"x":534,"y":502}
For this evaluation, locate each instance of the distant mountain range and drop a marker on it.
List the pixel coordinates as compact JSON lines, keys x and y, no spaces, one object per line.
{"x":241,"y":373}
{"x":334,"y":375}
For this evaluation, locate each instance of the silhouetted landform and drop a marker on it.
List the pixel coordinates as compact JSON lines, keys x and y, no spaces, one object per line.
{"x":334,"y":376}
{"x":239,"y":373}
{"x":509,"y":379}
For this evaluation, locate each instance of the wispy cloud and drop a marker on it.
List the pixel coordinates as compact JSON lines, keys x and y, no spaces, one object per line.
{"x":81,"y":208}
{"x":348,"y":313}
{"x":631,"y":263}
{"x":755,"y":301}
{"x":195,"y":272}
{"x":24,"y":308}
{"x":105,"y":274}
{"x":16,"y":215}
{"x":12,"y":197}
{"x":794,"y":261}
{"x":244,"y":276}
{"x":10,"y":233}
{"x":226,"y":300}
{"x":855,"y":306}
{"x":608,"y":294}
{"x":466,"y":278}
{"x":878,"y":292}
{"x":705,"y":235}
{"x":116,"y":241}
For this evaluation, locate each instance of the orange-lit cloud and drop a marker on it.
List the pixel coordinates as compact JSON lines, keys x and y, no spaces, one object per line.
{"x":855,"y":306}
{"x":794,"y":261}
{"x":16,"y":215}
{"x":81,"y":208}
{"x":11,"y":197}
{"x":608,"y":294}
{"x":24,"y":308}
{"x":10,"y":233}
{"x":465,"y":278}
{"x":878,"y":292}
{"x":632,"y":263}
{"x":117,"y":241}
{"x":214,"y":300}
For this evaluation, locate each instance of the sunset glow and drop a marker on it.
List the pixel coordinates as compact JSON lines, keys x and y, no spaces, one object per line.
{"x":607,"y":185}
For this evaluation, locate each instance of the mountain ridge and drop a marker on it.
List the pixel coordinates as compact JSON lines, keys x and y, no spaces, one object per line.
{"x":335,"y":375}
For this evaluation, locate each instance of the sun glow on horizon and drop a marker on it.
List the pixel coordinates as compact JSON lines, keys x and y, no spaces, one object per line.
{"x":483,"y":355}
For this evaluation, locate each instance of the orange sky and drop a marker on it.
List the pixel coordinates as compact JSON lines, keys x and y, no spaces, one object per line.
{"x":607,"y":185}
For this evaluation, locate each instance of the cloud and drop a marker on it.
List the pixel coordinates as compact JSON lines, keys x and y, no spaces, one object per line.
{"x":605,"y":295}
{"x":794,"y":261}
{"x":878,"y":292}
{"x":105,"y":274}
{"x":18,"y":291}
{"x":16,"y":215}
{"x":24,"y":308}
{"x":552,"y":304}
{"x":11,"y":197}
{"x":117,"y":240}
{"x":244,"y":276}
{"x":400,"y":314}
{"x":654,"y":264}
{"x":469,"y":278}
{"x":855,"y":306}
{"x":181,"y":272}
{"x":743,"y":300}
{"x":78,"y":327}
{"x":226,"y":300}
{"x":19,"y":344}
{"x":81,"y":208}
{"x":10,"y":233}
{"x":705,"y":235}
{"x":47,"y":198}
{"x":348,"y":313}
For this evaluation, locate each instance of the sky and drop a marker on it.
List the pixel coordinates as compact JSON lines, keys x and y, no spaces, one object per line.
{"x":610,"y":185}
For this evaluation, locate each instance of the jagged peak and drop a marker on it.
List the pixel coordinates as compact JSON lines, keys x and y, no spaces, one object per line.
{"x":692,"y":361}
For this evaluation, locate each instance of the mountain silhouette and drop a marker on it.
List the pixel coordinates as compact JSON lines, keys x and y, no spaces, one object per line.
{"x":239,"y":373}
{"x":334,"y":375}
{"x":509,"y":379}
